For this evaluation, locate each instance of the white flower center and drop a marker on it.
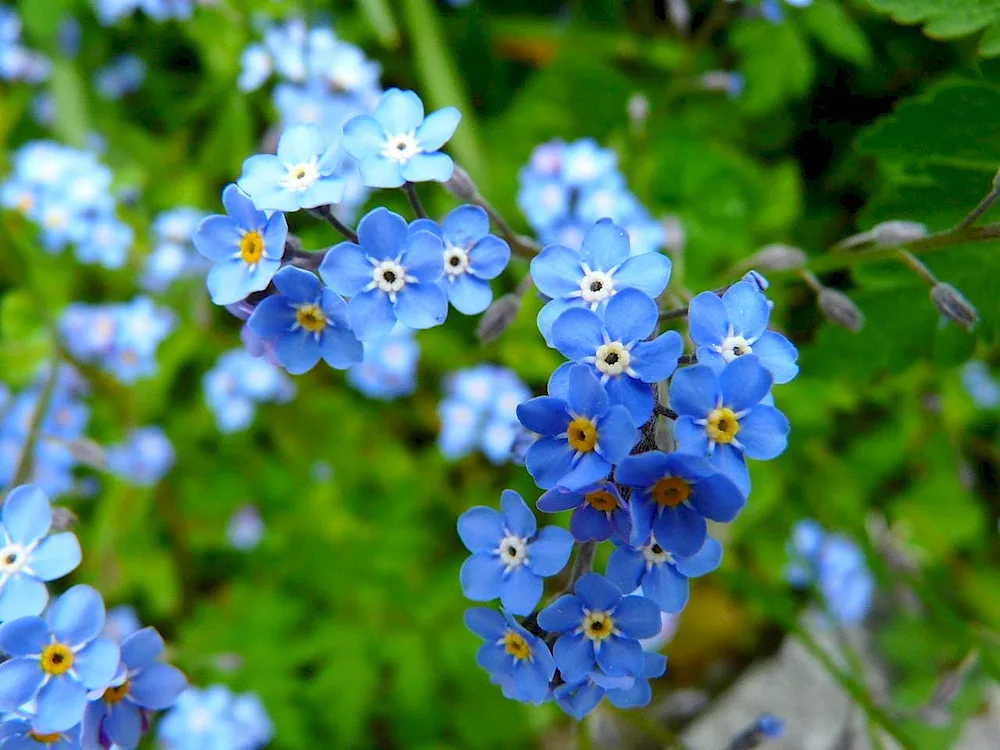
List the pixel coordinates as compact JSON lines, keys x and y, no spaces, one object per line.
{"x":13,"y":558}
{"x":389,"y":276}
{"x":596,"y":286}
{"x":456,"y":260}
{"x":300,"y":177}
{"x":401,"y":148}
{"x":612,"y":358}
{"x":200,"y":720}
{"x":551,"y":196}
{"x":654,"y":554}
{"x":513,"y":551}
{"x":735,"y":346}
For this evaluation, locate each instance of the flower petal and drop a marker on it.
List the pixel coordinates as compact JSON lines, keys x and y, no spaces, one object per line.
{"x":694,"y":391}
{"x":382,"y":234}
{"x":763,"y":433}
{"x":596,"y":592}
{"x":371,"y":315}
{"x":619,"y":657}
{"x":656,"y":360}
{"x":436,"y":167}
{"x":141,"y":648}
{"x":22,"y":596}
{"x":26,"y":514}
{"x":777,"y":354}
{"x":625,"y":568}
{"x":574,"y":656}
{"x":77,"y":616}
{"x":61,"y":704}
{"x":545,"y":415}
{"x":605,"y":245}
{"x":521,"y":591}
{"x":565,"y":613}
{"x":20,"y":680}
{"x":157,"y":686}
{"x":437,"y":128}
{"x":637,"y":617}
{"x":744,"y":382}
{"x":556,"y":271}
{"x":480,"y":529}
{"x":577,"y":333}
{"x":708,"y":321}
{"x":630,"y":315}
{"x":24,"y":636}
{"x":399,"y":111}
{"x":703,"y":561}
{"x":649,"y":272}
{"x":346,"y":269}
{"x":421,"y":306}
{"x":486,"y":623}
{"x":550,"y":551}
{"x":55,"y":556}
{"x":746,"y":308}
{"x":481,"y":577}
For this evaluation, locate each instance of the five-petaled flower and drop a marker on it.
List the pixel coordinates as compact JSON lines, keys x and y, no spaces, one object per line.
{"x":517,"y":660}
{"x":598,"y":511}
{"x":510,"y":556}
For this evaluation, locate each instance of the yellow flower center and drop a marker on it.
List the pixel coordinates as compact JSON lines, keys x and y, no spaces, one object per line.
{"x":671,"y":491}
{"x":115,"y":694}
{"x":24,"y":203}
{"x":251,"y":247}
{"x":45,"y":739}
{"x":598,"y":625}
{"x":56,"y":659}
{"x":311,"y":318}
{"x":582,"y":435}
{"x":601,"y":500}
{"x":516,"y":646}
{"x":722,"y":425}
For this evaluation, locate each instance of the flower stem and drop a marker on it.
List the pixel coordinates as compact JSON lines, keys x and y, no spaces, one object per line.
{"x":984,"y":204}
{"x":326,"y":213}
{"x":411,"y":195}
{"x":26,"y":460}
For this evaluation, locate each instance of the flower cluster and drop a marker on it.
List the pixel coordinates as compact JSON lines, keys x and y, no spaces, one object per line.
{"x":67,"y":193}
{"x":566,"y":187}
{"x":598,"y":455}
{"x":215,"y":718}
{"x":237,"y":383}
{"x":63,"y":682}
{"x":836,"y":566}
{"x":122,"y":76}
{"x":110,"y":11}
{"x":120,"y":337}
{"x":389,"y":368}
{"x":17,"y":62}
{"x":480,"y":411}
{"x":145,"y":456}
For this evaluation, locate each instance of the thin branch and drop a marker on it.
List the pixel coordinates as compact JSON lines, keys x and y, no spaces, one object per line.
{"x":916,"y":265}
{"x":26,"y":460}
{"x":673,"y":314}
{"x":411,"y":195}
{"x":519,"y":244}
{"x":984,"y":204}
{"x":326,"y":213}
{"x":664,"y":411}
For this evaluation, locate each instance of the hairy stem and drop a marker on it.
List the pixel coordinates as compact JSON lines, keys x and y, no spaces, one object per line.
{"x":411,"y":195}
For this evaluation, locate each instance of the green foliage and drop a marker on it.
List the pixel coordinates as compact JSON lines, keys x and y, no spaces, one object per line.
{"x":949,"y":19}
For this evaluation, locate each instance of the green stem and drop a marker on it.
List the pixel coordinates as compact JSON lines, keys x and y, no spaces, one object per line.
{"x":27,"y":457}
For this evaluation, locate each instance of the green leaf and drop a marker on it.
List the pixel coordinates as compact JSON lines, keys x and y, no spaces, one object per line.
{"x":775,"y":62}
{"x":944,"y":19}
{"x":379,"y":15}
{"x":71,"y":120}
{"x":838,"y":33}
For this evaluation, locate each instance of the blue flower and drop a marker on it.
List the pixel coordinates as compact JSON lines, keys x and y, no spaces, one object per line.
{"x":836,"y":566}
{"x":663,"y":576}
{"x":256,"y":67}
{"x":390,"y":275}
{"x":29,"y":557}
{"x":144,"y":684}
{"x":590,"y":277}
{"x":734,"y":326}
{"x":584,"y":162}
{"x":579,"y":697}
{"x":389,"y":367}
{"x":17,"y":733}
{"x":245,"y":247}
{"x":672,"y":496}
{"x":143,"y":458}
{"x":398,"y":144}
{"x":472,"y":256}
{"x":721,"y":416}
{"x":617,"y":350}
{"x":516,"y":660}
{"x":600,"y":628}
{"x":598,"y":511}
{"x":509,"y":555}
{"x":56,"y":661}
{"x":215,"y":719}
{"x":481,"y":411}
{"x":301,"y":175}
{"x":640,"y":694}
{"x":583,"y":434}
{"x":308,"y":322}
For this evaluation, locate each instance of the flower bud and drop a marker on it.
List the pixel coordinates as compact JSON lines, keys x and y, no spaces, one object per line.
{"x":892,"y":233}
{"x":63,"y":519}
{"x":638,"y":108}
{"x":85,"y":451}
{"x":498,"y":317}
{"x":461,"y":185}
{"x":839,"y":308}
{"x":950,"y":303}
{"x":777,"y":257}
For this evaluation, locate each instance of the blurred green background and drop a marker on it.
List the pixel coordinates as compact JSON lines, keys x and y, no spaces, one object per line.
{"x":347,"y":619}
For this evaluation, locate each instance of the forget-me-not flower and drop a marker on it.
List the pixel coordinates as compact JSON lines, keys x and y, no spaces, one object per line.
{"x":598,"y":511}
{"x":516,"y":660}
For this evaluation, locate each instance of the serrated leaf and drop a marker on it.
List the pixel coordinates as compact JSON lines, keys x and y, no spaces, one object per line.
{"x":943,"y":19}
{"x":831,"y":26}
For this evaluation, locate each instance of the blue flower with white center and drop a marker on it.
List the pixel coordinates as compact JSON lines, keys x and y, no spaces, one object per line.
{"x":600,"y":629}
{"x":56,"y":661}
{"x":510,"y":556}
{"x":617,"y":349}
{"x":307,"y":322}
{"x":213,"y":719}
{"x":580,"y":697}
{"x":672,"y":495}
{"x":734,"y":326}
{"x":598,"y":511}
{"x":143,"y":684}
{"x":30,"y":556}
{"x":721,"y":416}
{"x":514,"y":658}
{"x":390,"y":275}
{"x":143,"y":458}
{"x":544,"y":200}
{"x":472,"y":256}
{"x":389,"y":368}
{"x":301,"y":175}
{"x":245,"y":247}
{"x":17,"y":733}
{"x":584,"y":162}
{"x":663,"y":576}
{"x":583,"y":434}
{"x":256,"y":67}
{"x":591,"y":277}
{"x":398,"y":144}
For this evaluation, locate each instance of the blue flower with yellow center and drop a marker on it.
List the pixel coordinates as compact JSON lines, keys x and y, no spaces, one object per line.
{"x":600,"y":629}
{"x":245,"y":247}
{"x":583,"y":434}
{"x":721,"y":416}
{"x":580,"y":697}
{"x":598,"y":511}
{"x":673,"y":494}
{"x":516,"y":660}
{"x":307,"y":322}
{"x":510,"y":556}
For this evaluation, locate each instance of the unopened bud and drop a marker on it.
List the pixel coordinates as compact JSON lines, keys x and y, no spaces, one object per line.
{"x":757,"y":279}
{"x":461,"y":185}
{"x":892,"y":233}
{"x":84,"y":451}
{"x":498,"y":317}
{"x":950,"y":303}
{"x":839,"y":308}
{"x":777,"y":257}
{"x":63,"y":519}
{"x":638,"y":108}
{"x":674,"y":235}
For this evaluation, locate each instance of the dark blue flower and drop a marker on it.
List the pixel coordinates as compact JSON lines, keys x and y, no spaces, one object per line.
{"x":390,"y":275}
{"x":245,"y":247}
{"x":307,"y":322}
{"x":510,"y":556}
{"x":600,"y":629}
{"x":617,"y":349}
{"x":583,"y":435}
{"x":736,"y":325}
{"x":398,"y":144}
{"x":663,"y":576}
{"x":598,"y":511}
{"x":472,"y":256}
{"x":672,"y":496}
{"x":516,"y":660}
{"x":594,"y":274}
{"x":722,"y":417}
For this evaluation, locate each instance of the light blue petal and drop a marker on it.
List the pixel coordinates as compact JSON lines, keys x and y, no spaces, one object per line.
{"x":157,"y":686}
{"x":480,"y":528}
{"x":577,"y":333}
{"x":680,"y":530}
{"x":61,"y":704}
{"x":747,"y":309}
{"x":261,"y":180}
{"x":619,"y":657}
{"x":744,"y":382}
{"x":634,"y":395}
{"x":637,"y":617}
{"x":218,"y":237}
{"x":20,"y":680}
{"x":703,"y":562}
{"x":517,"y":516}
{"x":690,"y":438}
{"x":597,"y":593}
{"x":668,"y":588}
{"x":481,"y":577}
{"x":364,"y":137}
{"x":24,"y":636}
{"x":521,"y":591}
{"x":605,"y":245}
{"x":545,"y":415}
{"x":694,"y":391}
{"x":717,"y":498}
{"x":649,"y":272}
{"x":273,"y":316}
{"x":616,"y":434}
{"x":548,"y":315}
{"x":437,"y":128}
{"x":77,"y":616}
{"x":777,"y":354}
{"x":239,"y":206}
{"x":298,"y":352}
{"x":230,"y":281}
{"x":22,"y":596}
{"x":467,"y":294}
{"x":547,"y":461}
{"x":763,"y":433}
{"x":371,"y":315}
{"x":380,"y":172}
{"x":97,"y":663}
{"x":436,"y":167}
{"x":26,"y":514}
{"x":630,"y":316}
{"x":486,"y":623}
{"x":141,"y":648}
{"x":625,"y":568}
{"x":574,"y":656}
{"x":730,"y":462}
{"x":556,"y":271}
{"x":586,"y":396}
{"x":340,"y":348}
{"x":325,"y":191}
{"x":123,"y":725}
{"x":466,"y":225}
{"x":300,"y":143}
{"x":656,"y":360}
{"x":564,"y":614}
{"x":298,"y":284}
{"x":382,"y":234}
{"x":399,"y":111}
{"x":708,"y":321}
{"x":421,"y":306}
{"x":423,"y":256}
{"x":489,"y":257}
{"x":345,"y":269}
{"x":590,"y":468}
